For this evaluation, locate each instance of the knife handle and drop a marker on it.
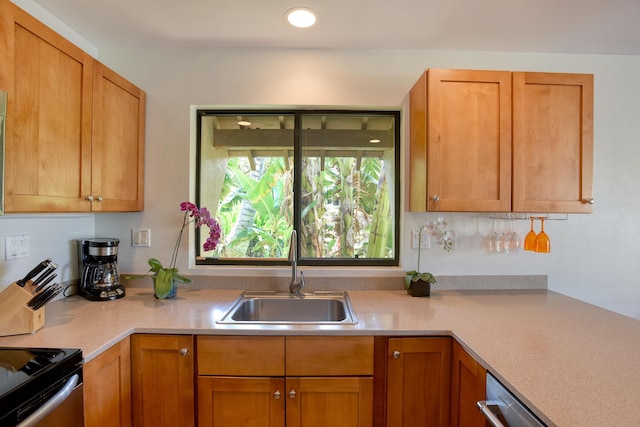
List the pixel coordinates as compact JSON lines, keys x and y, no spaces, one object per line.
{"x":42,"y":285}
{"x":47,"y":271}
{"x":34,"y":272}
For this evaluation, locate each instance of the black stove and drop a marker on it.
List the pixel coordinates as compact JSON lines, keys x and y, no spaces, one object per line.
{"x":30,"y":376}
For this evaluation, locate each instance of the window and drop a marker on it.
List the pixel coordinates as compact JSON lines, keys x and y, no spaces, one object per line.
{"x":331,"y":175}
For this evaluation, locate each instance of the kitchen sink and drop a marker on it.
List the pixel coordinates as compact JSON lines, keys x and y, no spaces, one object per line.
{"x":317,"y":307}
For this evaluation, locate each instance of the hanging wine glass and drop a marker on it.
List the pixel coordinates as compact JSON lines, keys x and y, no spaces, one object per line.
{"x":530,"y":239}
{"x":493,"y":238}
{"x":512,"y":242}
{"x":543,"y":244}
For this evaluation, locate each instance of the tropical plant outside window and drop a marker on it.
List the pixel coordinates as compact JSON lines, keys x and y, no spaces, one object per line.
{"x":331,"y":175}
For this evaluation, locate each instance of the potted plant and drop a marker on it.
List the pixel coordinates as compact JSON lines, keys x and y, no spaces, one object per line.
{"x":166,"y":279}
{"x":418,"y":284}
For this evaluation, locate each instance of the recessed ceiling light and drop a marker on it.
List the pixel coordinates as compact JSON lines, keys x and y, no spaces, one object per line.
{"x":301,"y":17}
{"x":244,"y":123}
{"x":374,"y":141}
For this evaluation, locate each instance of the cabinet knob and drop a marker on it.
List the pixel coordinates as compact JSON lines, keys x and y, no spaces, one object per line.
{"x":89,"y":198}
{"x":590,"y":201}
{"x":396,"y":354}
{"x":436,"y":198}
{"x":292,"y":394}
{"x":99,"y":198}
{"x":184,"y":351}
{"x":276,"y":395}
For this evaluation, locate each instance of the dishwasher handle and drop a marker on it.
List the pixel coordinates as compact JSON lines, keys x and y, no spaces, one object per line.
{"x":40,"y":413}
{"x":483,"y":405}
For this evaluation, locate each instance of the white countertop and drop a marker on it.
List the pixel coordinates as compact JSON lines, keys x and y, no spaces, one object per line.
{"x":572,"y":363}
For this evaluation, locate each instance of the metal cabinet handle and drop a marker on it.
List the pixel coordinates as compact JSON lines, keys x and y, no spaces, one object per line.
{"x":396,"y":354}
{"x":184,"y":351}
{"x":292,"y":394}
{"x":89,"y":198}
{"x":483,"y":405}
{"x":590,"y":201}
{"x":276,"y":395}
{"x":436,"y":198}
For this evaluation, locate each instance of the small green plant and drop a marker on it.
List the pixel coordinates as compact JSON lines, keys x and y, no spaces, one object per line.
{"x":164,"y":277}
{"x":415,"y":275}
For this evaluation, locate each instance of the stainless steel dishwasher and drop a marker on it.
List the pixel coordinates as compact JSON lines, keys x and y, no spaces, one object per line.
{"x":503,"y":409}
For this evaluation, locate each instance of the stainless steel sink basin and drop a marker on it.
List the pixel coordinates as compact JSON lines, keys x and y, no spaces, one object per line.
{"x":319,"y":307}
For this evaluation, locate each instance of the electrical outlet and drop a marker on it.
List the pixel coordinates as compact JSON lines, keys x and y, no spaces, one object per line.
{"x":141,"y":237}
{"x":17,"y":247}
{"x":425,"y":239}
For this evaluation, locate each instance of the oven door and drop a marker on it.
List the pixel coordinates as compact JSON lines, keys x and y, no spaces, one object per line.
{"x":63,"y":409}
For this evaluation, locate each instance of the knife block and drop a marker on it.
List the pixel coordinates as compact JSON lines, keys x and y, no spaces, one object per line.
{"x":15,"y":317}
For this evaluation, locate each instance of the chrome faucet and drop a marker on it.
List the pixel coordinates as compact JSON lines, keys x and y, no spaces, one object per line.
{"x":297,"y":281}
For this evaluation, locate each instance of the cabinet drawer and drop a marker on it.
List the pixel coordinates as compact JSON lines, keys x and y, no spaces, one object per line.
{"x":241,"y":355}
{"x":329,"y":355}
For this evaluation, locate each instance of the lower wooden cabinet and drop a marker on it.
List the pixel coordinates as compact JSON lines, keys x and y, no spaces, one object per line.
{"x":107,"y":388}
{"x":468,"y":386}
{"x":418,"y":382}
{"x":317,"y":381}
{"x":162,"y":380}
{"x":292,"y":381}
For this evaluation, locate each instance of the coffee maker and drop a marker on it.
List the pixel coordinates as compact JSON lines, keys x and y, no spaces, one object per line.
{"x":98,"y":268}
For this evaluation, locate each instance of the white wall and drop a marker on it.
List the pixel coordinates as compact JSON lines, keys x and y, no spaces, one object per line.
{"x":594,"y":257}
{"x":50,"y":236}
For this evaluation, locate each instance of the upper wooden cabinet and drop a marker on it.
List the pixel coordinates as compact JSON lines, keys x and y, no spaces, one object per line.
{"x":460,"y":150}
{"x":497,"y":141}
{"x":552,"y":142}
{"x":74,"y":131}
{"x":117,"y":146}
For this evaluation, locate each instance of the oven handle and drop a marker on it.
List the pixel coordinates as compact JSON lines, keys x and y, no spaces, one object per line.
{"x":483,"y":405}
{"x":51,"y":404}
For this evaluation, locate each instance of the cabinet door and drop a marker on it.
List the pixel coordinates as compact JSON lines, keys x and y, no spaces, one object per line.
{"x":552,"y":142}
{"x":162,"y":380}
{"x":329,"y":401}
{"x":460,"y":149}
{"x":48,"y":129}
{"x":468,"y":386}
{"x":241,"y":402}
{"x":418,"y":382}
{"x":117,"y":160}
{"x":107,"y":388}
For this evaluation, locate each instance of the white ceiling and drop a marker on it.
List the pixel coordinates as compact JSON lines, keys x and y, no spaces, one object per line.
{"x":563,"y":26}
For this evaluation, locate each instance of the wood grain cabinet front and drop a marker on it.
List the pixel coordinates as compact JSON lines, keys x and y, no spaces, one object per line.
{"x":163,"y":380}
{"x":278,"y":381}
{"x":107,"y":388}
{"x":501,"y":141}
{"x":418,"y":381}
{"x":468,"y":386}
{"x":74,"y":128}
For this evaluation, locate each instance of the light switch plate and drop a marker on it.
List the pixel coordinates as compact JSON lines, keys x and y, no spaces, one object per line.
{"x":141,"y":237}
{"x":425,"y":239}
{"x":17,"y":247}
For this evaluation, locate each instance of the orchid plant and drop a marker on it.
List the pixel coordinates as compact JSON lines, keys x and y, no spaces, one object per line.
{"x":165,"y":277}
{"x":446,"y":240}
